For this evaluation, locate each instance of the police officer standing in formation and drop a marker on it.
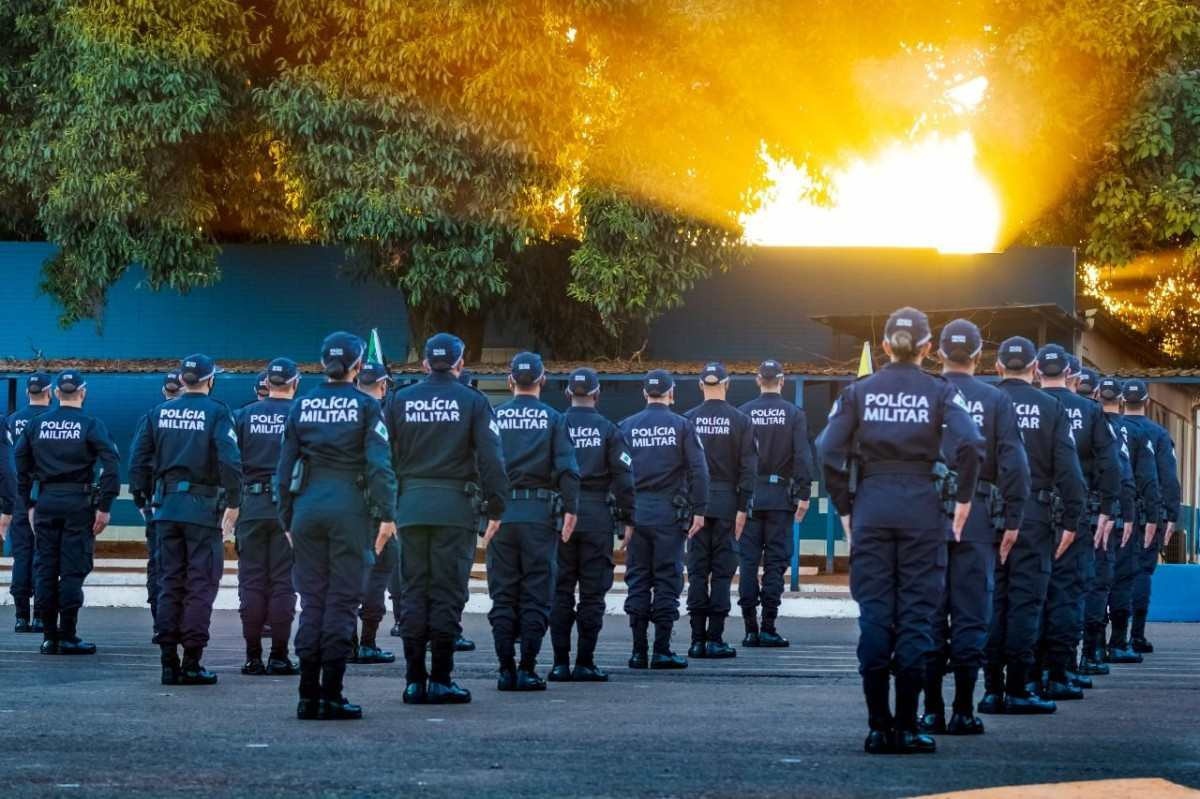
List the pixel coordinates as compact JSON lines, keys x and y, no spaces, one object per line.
{"x":1056,"y":503}
{"x":727,"y":435}
{"x":1147,"y":505}
{"x":1095,"y":447}
{"x":37,"y":391}
{"x":373,"y":380}
{"x":187,"y":460}
{"x":446,"y":450}
{"x":882,"y":458}
{"x":671,"y":482}
{"x":586,"y":558}
{"x":56,"y":457}
{"x":1086,"y":381}
{"x":171,"y":387}
{"x":334,"y":462}
{"x":780,"y":497}
{"x":961,"y":623}
{"x":522,"y":556}
{"x":8,"y":480}
{"x":265,"y":589}
{"x":1107,"y":540}
{"x":1147,"y":546}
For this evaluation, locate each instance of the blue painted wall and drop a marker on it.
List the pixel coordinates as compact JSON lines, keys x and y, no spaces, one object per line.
{"x":271,"y":300}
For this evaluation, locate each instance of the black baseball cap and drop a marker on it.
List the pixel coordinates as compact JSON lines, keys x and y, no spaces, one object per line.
{"x":443,"y":350}
{"x":583,"y":382}
{"x":197,"y":368}
{"x":171,"y":382}
{"x":1088,"y":380}
{"x":38,"y":382}
{"x":960,"y":341}
{"x":912,"y":320}
{"x":1110,"y":389}
{"x":342,"y":348}
{"x":1135,"y":390}
{"x":1053,"y":360}
{"x":1016,"y":353}
{"x":371,"y":373}
{"x":770,"y":369}
{"x":713,"y":374}
{"x":658,"y":382}
{"x":70,"y":381}
{"x":282,"y":371}
{"x":526,"y":368}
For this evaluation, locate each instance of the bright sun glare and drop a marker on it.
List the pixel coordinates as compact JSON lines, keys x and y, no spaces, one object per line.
{"x":925,"y":193}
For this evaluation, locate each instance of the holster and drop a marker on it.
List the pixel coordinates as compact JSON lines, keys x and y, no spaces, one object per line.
{"x":945,"y":480}
{"x":1093,"y":509}
{"x":299,"y":479}
{"x":683,"y":509}
{"x":475,"y":493}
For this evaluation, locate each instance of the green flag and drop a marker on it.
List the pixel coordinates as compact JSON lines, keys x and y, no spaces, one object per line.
{"x":375,"y":349}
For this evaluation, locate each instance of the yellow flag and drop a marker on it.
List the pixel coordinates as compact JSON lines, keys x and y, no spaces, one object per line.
{"x":865,"y":365}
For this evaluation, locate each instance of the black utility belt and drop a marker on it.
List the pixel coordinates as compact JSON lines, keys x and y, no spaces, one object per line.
{"x":985,"y":488}
{"x":543,"y":494}
{"x":85,"y":488}
{"x":461,"y":486}
{"x":873,"y":468}
{"x":774,"y":479}
{"x":197,"y":489}
{"x":1046,"y":496}
{"x":256,"y":489}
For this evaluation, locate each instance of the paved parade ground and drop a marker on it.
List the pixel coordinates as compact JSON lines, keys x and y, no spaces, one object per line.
{"x":769,"y":723}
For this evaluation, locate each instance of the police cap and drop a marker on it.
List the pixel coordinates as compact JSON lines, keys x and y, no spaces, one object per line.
{"x":526,"y":369}
{"x":171,"y":382}
{"x":658,"y":382}
{"x":196,"y":369}
{"x":1135,"y":391}
{"x":1016,"y":354}
{"x":282,"y":371}
{"x":341,"y":352}
{"x":70,"y":381}
{"x":583,"y":382}
{"x":912,"y":320}
{"x":372,"y":373}
{"x":442,"y":351}
{"x":1110,"y":389}
{"x":1052,"y":360}
{"x":38,"y":382}
{"x":713,"y":374}
{"x":960,"y":341}
{"x":1088,"y":379}
{"x":770,"y":369}
{"x":1074,"y":367}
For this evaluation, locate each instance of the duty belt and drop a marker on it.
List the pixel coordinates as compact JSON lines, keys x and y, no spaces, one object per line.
{"x":773,"y":479}
{"x":984,"y":488}
{"x":872,"y":468}
{"x":1044,"y":495}
{"x":533,"y":493}
{"x":255,"y":489}
{"x":461,"y":486}
{"x":185,"y":487}
{"x":84,"y":487}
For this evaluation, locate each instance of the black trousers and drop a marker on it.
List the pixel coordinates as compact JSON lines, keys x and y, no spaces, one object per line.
{"x":435,"y":568}
{"x":960,"y":628}
{"x":586,"y":562}
{"x":191,"y":559}
{"x":654,"y":573}
{"x":376,"y":580}
{"x":1062,"y":619}
{"x":712,"y":560}
{"x":1126,"y":565}
{"x":265,"y":587}
{"x":21,"y":541}
{"x":153,"y":573}
{"x":65,"y":547}
{"x":766,"y":540}
{"x":1147,"y":564}
{"x":1021,"y":585}
{"x":1096,"y":606}
{"x":521,"y":563}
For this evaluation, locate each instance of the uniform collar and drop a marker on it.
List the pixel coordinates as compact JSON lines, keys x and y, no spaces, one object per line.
{"x":657,"y":406}
{"x":583,"y":409}
{"x":909,"y":365}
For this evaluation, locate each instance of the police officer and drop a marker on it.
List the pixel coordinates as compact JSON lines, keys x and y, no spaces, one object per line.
{"x":8,"y":480}
{"x":1023,"y":576}
{"x":586,"y":558}
{"x":727,"y":435}
{"x":1108,"y":392}
{"x":373,"y":380}
{"x":334,"y":462}
{"x":1147,"y":507}
{"x":521,"y":557}
{"x":1095,"y":446}
{"x":37,"y":391}
{"x":1147,"y":546}
{"x":171,"y":387}
{"x":57,"y":456}
{"x":780,"y":497}
{"x":1086,"y":381}
{"x":265,"y":590}
{"x":671,"y":482}
{"x":444,"y":440}
{"x":187,"y":459}
{"x":262,"y":385}
{"x":961,"y":623}
{"x":882,"y":455}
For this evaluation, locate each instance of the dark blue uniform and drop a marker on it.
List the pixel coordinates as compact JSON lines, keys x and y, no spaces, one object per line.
{"x":1023,"y":580}
{"x":728,"y":438}
{"x":1095,"y":445}
{"x":265,"y":590}
{"x":1166,"y":467}
{"x":188,"y":460}
{"x":59,"y":451}
{"x":539,"y":458}
{"x":339,"y":435}
{"x":891,"y":423}
{"x":962,"y":620}
{"x":586,"y":560}
{"x":671,"y":481}
{"x":441,"y":431}
{"x":1148,"y":507}
{"x":784,"y":479}
{"x":1120,"y":510}
{"x":21,"y":542}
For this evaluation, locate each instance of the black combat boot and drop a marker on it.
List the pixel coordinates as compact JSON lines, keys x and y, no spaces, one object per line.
{"x":934,"y":720}
{"x":397,"y":630}
{"x":769,"y":637}
{"x":368,"y":651}
{"x":309,"y":708}
{"x":415,"y":675}
{"x":1020,"y":701}
{"x":463,"y":644}
{"x":253,"y":666}
{"x":23,"y":625}
{"x":69,"y":643}
{"x":1089,"y":664}
{"x":1059,"y":687}
{"x":698,"y":649}
{"x":171,"y":670}
{"x":963,"y":721}
{"x":1137,"y":638}
{"x":876,"y":686}
{"x":334,"y":706}
{"x":663,"y":657}
{"x":278,"y":662}
{"x":442,"y":690}
{"x":527,"y":676}
{"x":640,"y":659}
{"x":1074,"y":677}
{"x":191,"y":672}
{"x":908,"y":740}
{"x":716,"y":647}
{"x":750,"y":622}
{"x":36,"y":625}
{"x":993,"y":690}
{"x":1118,"y":643}
{"x":49,"y":632}
{"x":506,"y":680}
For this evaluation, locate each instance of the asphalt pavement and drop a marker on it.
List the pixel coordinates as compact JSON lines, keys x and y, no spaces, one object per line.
{"x":768,"y":723}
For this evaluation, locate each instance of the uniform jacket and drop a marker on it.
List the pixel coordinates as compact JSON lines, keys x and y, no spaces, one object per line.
{"x":731,"y":452}
{"x":605,"y":467}
{"x":784,"y":459}
{"x":668,"y":462}
{"x":64,"y":446}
